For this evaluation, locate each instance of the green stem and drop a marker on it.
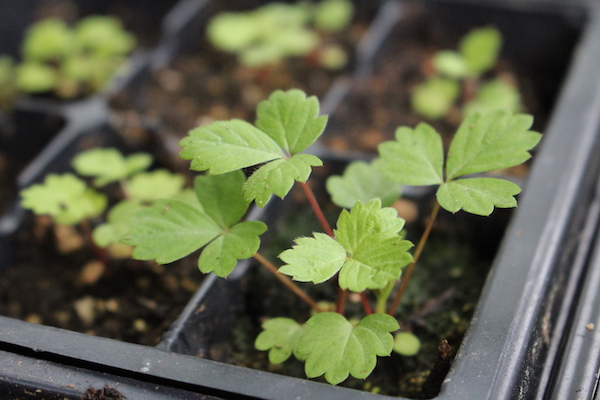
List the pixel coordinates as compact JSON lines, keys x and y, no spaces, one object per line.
{"x":383,"y":295}
{"x":287,"y":282}
{"x":409,"y":270}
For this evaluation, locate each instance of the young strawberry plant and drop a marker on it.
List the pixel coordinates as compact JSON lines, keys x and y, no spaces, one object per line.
{"x":366,"y":252}
{"x":459,"y":78}
{"x":276,"y":31}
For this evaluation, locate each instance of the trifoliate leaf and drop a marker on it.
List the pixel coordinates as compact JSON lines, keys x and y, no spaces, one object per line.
{"x":492,"y":141}
{"x":117,"y":223}
{"x":480,"y":47}
{"x":406,"y":343}
{"x":154,"y":185}
{"x":362,"y":182}
{"x":367,"y":250}
{"x":65,"y":197}
{"x":495,"y":95}
{"x":221,"y":197}
{"x":477,"y":195}
{"x":291,"y":119}
{"x":332,"y":346}
{"x":416,"y":157}
{"x":226,"y":146}
{"x":313,"y":259}
{"x":169,"y":230}
{"x":278,"y":176}
{"x":280,"y":337}
{"x":109,"y":165}
{"x":237,"y":243}
{"x":433,"y":98}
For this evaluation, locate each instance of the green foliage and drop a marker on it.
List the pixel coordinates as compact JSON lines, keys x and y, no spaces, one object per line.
{"x":280,"y":337}
{"x":172,"y":229}
{"x":367,"y":250}
{"x":478,"y":54}
{"x":64,"y":197}
{"x":482,"y":143}
{"x":276,"y":31}
{"x":406,"y":344}
{"x":362,"y":182}
{"x":72,"y":62}
{"x":108,"y":165}
{"x":332,"y":346}
{"x":287,"y":123}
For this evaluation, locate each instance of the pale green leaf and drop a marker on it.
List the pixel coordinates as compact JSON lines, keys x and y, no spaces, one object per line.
{"x":333,"y":346}
{"x":477,"y":195}
{"x":362,"y":182}
{"x":108,"y":164}
{"x":291,"y":119}
{"x":480,"y":47}
{"x":450,"y":63}
{"x":313,"y":259}
{"x":492,"y":141}
{"x":154,"y":185}
{"x":117,"y":223}
{"x":280,"y":337}
{"x":434,"y":98}
{"x":237,"y":243}
{"x":406,"y":343}
{"x":416,"y":157}
{"x":226,"y":146}
{"x":278,"y":176}
{"x":169,"y":230}
{"x":495,"y":95}
{"x":64,"y":197}
{"x":221,"y":197}
{"x":333,"y":15}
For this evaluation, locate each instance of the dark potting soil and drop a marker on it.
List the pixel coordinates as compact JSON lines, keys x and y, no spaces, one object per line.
{"x":437,"y":306}
{"x":128,"y":300}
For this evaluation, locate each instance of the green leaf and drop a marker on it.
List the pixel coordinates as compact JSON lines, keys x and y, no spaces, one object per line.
{"x":495,"y":95}
{"x":313,"y":259}
{"x":109,"y":165}
{"x":291,"y":119}
{"x":117,"y":223}
{"x":154,"y":185}
{"x":406,"y":343}
{"x":221,"y":197}
{"x":492,"y":141}
{"x":480,"y":47}
{"x":477,"y":195}
{"x":362,"y":182}
{"x":226,"y":146}
{"x":169,"y":230}
{"x":65,"y":197}
{"x":416,"y":157}
{"x":433,"y":98}
{"x":367,"y":250}
{"x":333,"y":15}
{"x":280,"y":337}
{"x":278,"y":176}
{"x":333,"y":346}
{"x":237,"y":243}
{"x":450,"y":63}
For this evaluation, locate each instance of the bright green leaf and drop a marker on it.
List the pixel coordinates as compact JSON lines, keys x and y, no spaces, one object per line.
{"x":278,"y":176}
{"x":280,"y":337}
{"x":154,"y":185}
{"x":492,"y":141}
{"x":332,"y":346}
{"x":333,"y":15}
{"x":433,"y":98}
{"x":109,"y":165}
{"x":416,"y":157}
{"x":406,"y":343}
{"x":221,"y":197}
{"x":313,"y":259}
{"x":169,"y":230}
{"x":117,"y":223}
{"x":237,"y":243}
{"x":64,"y":197}
{"x":477,"y":195}
{"x":450,"y":63}
{"x":291,"y":119}
{"x":362,"y":182}
{"x":495,"y":95}
{"x":480,"y":47}
{"x":226,"y":146}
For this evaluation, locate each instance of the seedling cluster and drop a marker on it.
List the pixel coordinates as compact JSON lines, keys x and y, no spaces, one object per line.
{"x":271,"y":33}
{"x":67,"y":62}
{"x":458,"y":79}
{"x":366,"y":252}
